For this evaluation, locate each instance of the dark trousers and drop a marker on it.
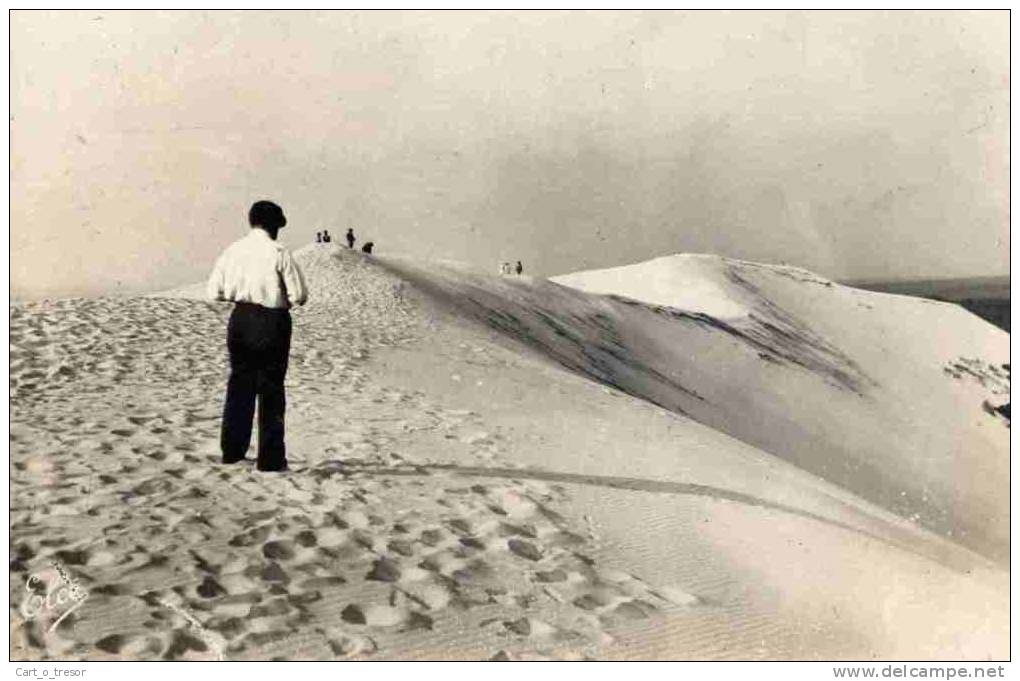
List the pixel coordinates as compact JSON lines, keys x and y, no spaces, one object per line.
{"x":258,"y":340}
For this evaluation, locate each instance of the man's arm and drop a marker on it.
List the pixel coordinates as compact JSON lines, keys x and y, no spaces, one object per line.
{"x":293,"y":280}
{"x":214,"y":288}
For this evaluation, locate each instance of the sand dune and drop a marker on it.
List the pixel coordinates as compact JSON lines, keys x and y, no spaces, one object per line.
{"x":849,"y":385}
{"x":456,"y":494}
{"x":908,"y":432}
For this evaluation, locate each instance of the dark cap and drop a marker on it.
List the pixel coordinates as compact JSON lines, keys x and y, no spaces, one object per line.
{"x":266,"y":214}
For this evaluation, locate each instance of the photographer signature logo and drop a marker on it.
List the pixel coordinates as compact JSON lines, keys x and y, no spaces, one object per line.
{"x":61,"y":594}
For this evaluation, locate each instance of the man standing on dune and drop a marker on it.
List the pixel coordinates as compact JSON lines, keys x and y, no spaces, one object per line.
{"x":261,"y":278}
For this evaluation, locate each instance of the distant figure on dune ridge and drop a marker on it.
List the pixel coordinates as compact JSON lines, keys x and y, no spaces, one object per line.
{"x":261,"y":278}
{"x":326,"y":238}
{"x":350,"y":237}
{"x":318,"y":237}
{"x":520,"y":268}
{"x":504,"y":268}
{"x":367,"y":248}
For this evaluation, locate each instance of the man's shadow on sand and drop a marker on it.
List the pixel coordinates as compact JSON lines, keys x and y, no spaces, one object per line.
{"x":957,"y":559}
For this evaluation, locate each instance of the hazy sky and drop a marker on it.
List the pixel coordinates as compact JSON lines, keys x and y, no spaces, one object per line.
{"x":856,"y":144}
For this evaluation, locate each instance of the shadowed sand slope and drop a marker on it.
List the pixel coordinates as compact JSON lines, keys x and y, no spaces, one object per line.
{"x":855,"y":387}
{"x":455,"y":497}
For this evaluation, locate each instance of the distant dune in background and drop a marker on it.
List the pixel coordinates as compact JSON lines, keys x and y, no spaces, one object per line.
{"x":987,"y":297}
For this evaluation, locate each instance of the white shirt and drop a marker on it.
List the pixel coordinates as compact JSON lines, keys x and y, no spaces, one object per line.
{"x":256,"y":269}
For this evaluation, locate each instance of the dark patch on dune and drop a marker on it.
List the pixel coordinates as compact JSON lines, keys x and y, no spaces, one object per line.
{"x":775,"y":336}
{"x":353,"y":614}
{"x":384,"y":570}
{"x":590,"y":346}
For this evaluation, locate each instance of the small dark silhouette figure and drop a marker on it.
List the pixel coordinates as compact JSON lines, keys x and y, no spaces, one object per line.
{"x":326,"y":238}
{"x":318,"y":237}
{"x":350,"y":238}
{"x":519,"y":268}
{"x":367,"y":248}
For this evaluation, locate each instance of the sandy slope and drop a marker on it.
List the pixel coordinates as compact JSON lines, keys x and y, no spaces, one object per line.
{"x":455,"y":492}
{"x":878,"y":410}
{"x":852,"y":386}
